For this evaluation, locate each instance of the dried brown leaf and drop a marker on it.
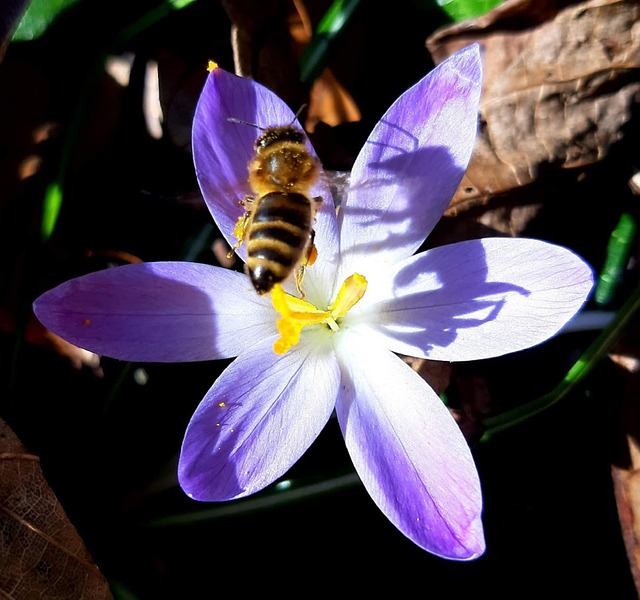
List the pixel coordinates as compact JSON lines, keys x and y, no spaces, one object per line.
{"x":561,"y":82}
{"x":265,"y":46}
{"x":268,"y":39}
{"x":626,"y":476}
{"x":627,"y":488}
{"x":41,"y":553}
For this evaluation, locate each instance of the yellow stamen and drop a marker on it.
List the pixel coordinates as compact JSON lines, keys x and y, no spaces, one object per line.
{"x":296,"y":313}
{"x":350,"y":293}
{"x":212,"y":65}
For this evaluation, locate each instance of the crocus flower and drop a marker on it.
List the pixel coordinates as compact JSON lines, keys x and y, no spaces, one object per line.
{"x":368,"y":298}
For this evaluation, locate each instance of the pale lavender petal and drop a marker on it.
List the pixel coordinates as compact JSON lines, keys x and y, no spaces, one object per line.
{"x":222,"y":150}
{"x":477,"y":299}
{"x":320,"y":277}
{"x":159,"y":312}
{"x":409,"y":452}
{"x":256,"y":421}
{"x":412,"y":163}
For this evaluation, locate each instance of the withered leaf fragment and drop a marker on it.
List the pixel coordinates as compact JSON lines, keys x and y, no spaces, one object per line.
{"x":41,"y":553}
{"x":562,"y":80}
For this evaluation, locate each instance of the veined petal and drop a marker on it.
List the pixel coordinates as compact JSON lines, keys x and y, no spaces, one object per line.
{"x":159,"y":312}
{"x":409,"y":452}
{"x":412,"y":163}
{"x":478,"y":299}
{"x":259,"y":417}
{"x":222,"y":151}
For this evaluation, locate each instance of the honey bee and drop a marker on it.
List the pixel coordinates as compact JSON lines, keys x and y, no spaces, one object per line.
{"x":277,"y":225}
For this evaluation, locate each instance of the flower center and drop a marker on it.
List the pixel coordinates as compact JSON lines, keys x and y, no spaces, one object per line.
{"x":297,"y":313}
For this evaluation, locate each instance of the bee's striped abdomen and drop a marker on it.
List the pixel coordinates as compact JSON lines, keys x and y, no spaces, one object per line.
{"x":279,"y":232}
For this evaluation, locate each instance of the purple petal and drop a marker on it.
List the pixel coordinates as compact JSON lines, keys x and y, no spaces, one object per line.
{"x":222,"y":151}
{"x":256,"y":421}
{"x":479,"y":299}
{"x":412,"y":163}
{"x":160,"y":312}
{"x":409,"y":452}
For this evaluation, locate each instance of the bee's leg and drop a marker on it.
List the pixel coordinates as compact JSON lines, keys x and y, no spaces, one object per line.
{"x":299,"y":278}
{"x":311,"y":254}
{"x":240,"y":228}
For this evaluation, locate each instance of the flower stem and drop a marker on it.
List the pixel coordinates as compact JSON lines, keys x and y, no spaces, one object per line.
{"x":598,"y":349}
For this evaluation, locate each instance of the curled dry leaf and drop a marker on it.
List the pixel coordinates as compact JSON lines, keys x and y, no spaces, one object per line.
{"x":41,"y":553}
{"x":276,"y":32}
{"x":626,"y":477}
{"x":561,"y":82}
{"x":626,"y":468}
{"x":263,"y":45}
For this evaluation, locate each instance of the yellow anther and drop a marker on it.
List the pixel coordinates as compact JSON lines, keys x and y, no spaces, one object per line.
{"x":296,"y":313}
{"x":289,"y":335}
{"x":212,"y":65}
{"x":350,"y":293}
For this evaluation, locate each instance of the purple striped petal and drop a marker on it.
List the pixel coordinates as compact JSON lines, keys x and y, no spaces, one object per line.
{"x":412,"y":163}
{"x":479,"y":299}
{"x":256,"y":421}
{"x":222,"y":151}
{"x":159,"y":312}
{"x":409,"y":452}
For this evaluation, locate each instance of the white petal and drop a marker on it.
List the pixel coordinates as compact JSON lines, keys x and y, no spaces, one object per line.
{"x":159,"y":312}
{"x":409,"y":452}
{"x":256,"y":421}
{"x":411,"y":164}
{"x":476,"y":299}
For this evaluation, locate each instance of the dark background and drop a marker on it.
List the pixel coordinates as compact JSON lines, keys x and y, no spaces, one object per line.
{"x":108,"y":445}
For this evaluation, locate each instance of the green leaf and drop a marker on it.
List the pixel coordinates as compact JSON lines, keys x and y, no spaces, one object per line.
{"x":590,"y":359}
{"x":618,"y":253}
{"x":39,"y":15}
{"x":50,"y":210}
{"x":459,"y":10}
{"x":332,"y":23}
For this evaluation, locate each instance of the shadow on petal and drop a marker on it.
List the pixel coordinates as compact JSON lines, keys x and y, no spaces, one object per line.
{"x":156,"y":312}
{"x":447,"y":297}
{"x":398,"y":205}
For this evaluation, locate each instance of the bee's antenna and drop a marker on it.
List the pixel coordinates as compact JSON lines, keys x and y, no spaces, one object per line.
{"x":241,"y":122}
{"x":299,"y":112}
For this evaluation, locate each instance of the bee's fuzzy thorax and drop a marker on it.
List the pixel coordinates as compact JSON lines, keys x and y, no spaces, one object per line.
{"x":278,"y":223}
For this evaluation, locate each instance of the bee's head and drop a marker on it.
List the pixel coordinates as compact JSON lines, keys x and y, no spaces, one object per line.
{"x":278,"y":135}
